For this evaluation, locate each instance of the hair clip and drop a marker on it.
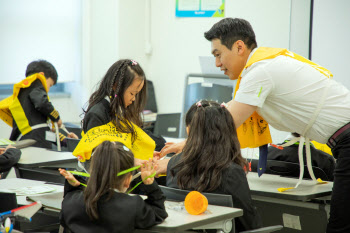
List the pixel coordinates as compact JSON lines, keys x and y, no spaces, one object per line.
{"x":133,"y":63}
{"x":125,"y":148}
{"x":199,"y":104}
{"x":224,"y":105}
{"x":115,"y":96}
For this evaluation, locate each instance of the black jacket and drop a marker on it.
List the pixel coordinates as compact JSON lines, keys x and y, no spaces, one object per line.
{"x":37,"y":108}
{"x":122,"y":213}
{"x":98,"y":115}
{"x":9,"y":159}
{"x":234,"y":183}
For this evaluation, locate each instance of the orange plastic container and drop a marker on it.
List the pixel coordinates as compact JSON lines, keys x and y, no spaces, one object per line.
{"x":196,"y":203}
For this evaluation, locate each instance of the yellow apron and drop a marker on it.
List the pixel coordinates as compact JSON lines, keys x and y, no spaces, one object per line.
{"x":11,"y":109}
{"x":254,"y":132}
{"x":142,"y":147}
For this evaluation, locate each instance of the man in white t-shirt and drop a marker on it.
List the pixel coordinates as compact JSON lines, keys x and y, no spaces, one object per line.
{"x":291,"y":94}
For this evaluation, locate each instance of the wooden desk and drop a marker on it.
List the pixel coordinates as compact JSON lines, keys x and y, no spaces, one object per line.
{"x":42,"y":164}
{"x":298,"y":210}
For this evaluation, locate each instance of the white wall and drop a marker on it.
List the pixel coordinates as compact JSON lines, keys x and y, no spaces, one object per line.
{"x":116,"y":29}
{"x":330,"y":38}
{"x":177,"y":42}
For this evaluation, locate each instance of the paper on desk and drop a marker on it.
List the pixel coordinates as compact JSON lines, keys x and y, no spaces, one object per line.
{"x":31,"y":190}
{"x":5,"y":142}
{"x":52,"y":200}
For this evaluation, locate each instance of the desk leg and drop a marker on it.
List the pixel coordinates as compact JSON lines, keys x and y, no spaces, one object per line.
{"x":17,"y":172}
{"x":295,"y":216}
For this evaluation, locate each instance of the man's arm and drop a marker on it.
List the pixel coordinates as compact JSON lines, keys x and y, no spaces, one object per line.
{"x":240,"y":112}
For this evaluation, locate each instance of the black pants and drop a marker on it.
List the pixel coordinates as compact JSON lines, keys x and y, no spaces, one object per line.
{"x":340,"y":203}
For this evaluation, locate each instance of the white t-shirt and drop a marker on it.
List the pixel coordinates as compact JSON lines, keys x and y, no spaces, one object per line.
{"x":287,"y":92}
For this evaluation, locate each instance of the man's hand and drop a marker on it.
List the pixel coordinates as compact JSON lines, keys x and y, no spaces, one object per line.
{"x":162,"y":166}
{"x":171,"y":147}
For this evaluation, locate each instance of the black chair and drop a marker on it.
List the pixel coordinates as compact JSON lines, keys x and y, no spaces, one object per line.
{"x":8,"y":201}
{"x":72,"y":143}
{"x":289,"y":169}
{"x":168,"y":125}
{"x":151,"y":103}
{"x":213,"y":199}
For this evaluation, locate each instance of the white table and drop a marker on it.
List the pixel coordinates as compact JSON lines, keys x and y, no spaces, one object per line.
{"x":267,"y":186}
{"x":42,"y":164}
{"x":305,"y":209}
{"x":8,"y":185}
{"x":178,"y":220}
{"x":47,"y":217}
{"x":35,"y":157}
{"x":216,"y":217}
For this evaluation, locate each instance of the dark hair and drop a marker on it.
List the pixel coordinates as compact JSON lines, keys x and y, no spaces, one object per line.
{"x":212,"y":145}
{"x":42,"y":66}
{"x":117,"y":79}
{"x":229,"y":30}
{"x":108,"y":159}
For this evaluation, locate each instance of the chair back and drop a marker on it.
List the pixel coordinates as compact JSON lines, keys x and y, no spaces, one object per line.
{"x":151,"y":103}
{"x":213,"y":198}
{"x":168,"y":125}
{"x":72,"y":143}
{"x":8,"y":201}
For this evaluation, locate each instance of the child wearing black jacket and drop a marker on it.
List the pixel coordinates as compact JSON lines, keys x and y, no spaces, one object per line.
{"x":9,"y":156}
{"x":103,"y":206}
{"x":30,"y":119}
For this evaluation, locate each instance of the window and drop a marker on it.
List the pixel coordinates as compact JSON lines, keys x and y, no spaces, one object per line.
{"x":39,"y":29}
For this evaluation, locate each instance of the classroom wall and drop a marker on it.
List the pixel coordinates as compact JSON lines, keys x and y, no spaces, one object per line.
{"x":177,"y":42}
{"x":166,"y":47}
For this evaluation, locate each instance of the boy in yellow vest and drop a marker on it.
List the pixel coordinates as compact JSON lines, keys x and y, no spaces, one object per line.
{"x":292,"y":94}
{"x":35,"y":107}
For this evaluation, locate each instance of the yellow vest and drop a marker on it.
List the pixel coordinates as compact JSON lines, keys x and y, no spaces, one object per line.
{"x":11,"y":109}
{"x":254,"y":132}
{"x":142,"y":147}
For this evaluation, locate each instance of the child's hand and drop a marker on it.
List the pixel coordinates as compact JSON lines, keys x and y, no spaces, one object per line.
{"x":3,"y":150}
{"x":72,"y":135}
{"x":59,"y":123}
{"x":147,"y":169}
{"x":156,"y":155}
{"x":69,"y":177}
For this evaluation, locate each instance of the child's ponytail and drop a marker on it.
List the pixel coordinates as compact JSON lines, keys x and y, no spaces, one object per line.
{"x":108,"y":159}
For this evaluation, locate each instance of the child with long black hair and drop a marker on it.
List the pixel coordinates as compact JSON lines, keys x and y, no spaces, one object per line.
{"x":103,"y":206}
{"x":211,"y":160}
{"x":120,"y":97}
{"x":118,"y":101}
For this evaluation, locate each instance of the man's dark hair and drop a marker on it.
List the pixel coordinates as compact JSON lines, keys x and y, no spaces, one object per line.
{"x":229,"y":30}
{"x":42,"y":66}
